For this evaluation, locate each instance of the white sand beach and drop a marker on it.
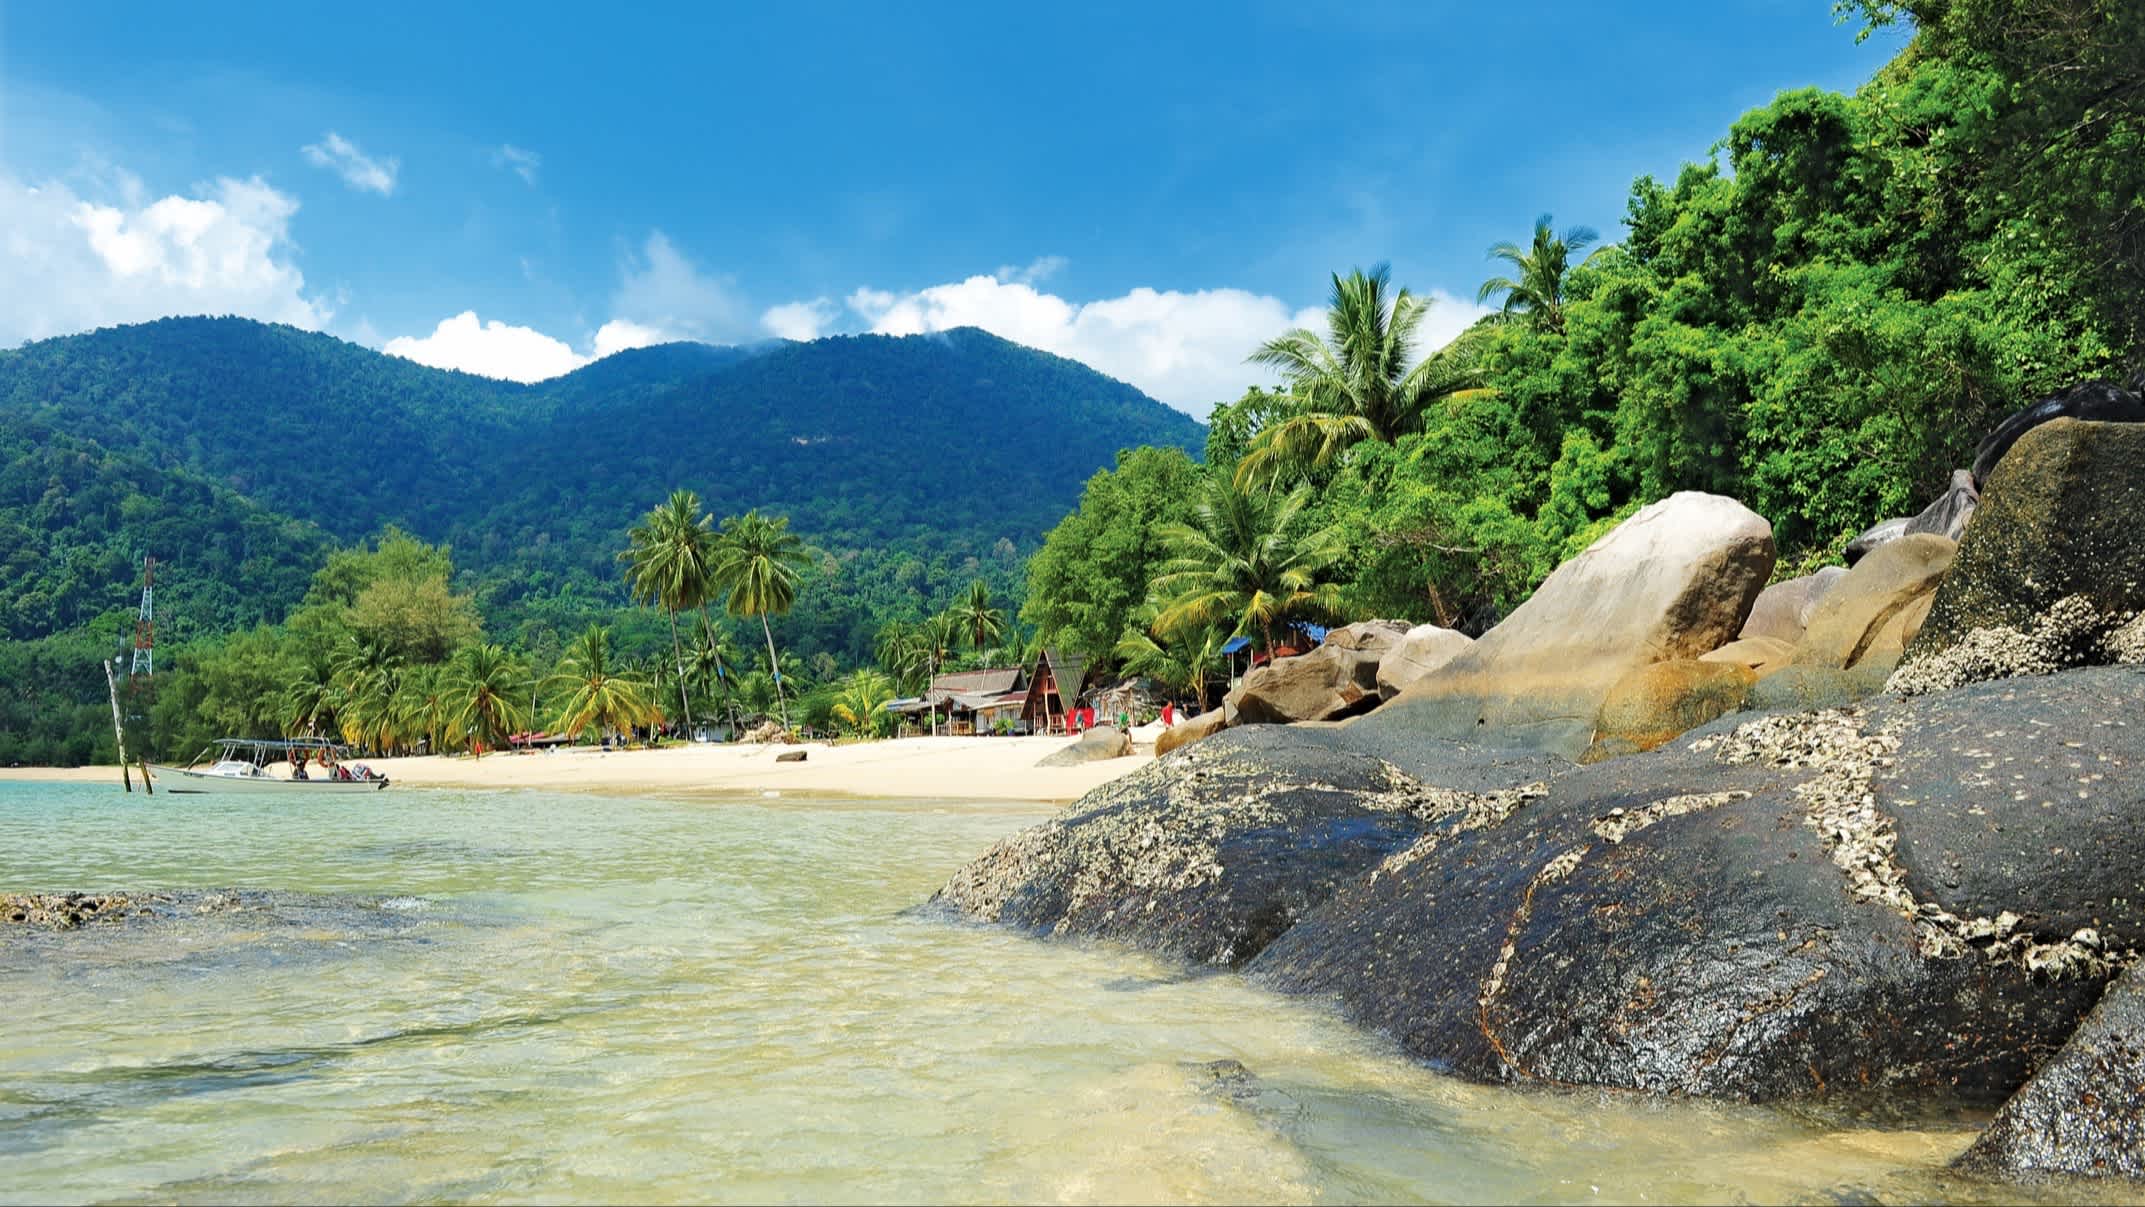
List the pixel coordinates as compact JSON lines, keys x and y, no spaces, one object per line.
{"x":985,"y":768}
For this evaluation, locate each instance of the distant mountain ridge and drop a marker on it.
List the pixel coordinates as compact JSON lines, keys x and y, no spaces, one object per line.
{"x":944,"y":450}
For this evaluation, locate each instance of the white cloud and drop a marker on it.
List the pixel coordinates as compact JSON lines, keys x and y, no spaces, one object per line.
{"x":660,"y":289}
{"x":800,"y":320}
{"x":523,"y":163}
{"x":71,"y":263}
{"x":492,"y":349}
{"x":1186,"y":349}
{"x":358,"y":170}
{"x":620,"y":334}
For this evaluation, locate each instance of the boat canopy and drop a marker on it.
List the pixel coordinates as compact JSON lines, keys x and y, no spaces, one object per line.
{"x":264,"y":750}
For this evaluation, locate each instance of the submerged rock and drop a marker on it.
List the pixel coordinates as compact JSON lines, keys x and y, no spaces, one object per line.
{"x":1212,"y":852}
{"x":2083,"y":1114}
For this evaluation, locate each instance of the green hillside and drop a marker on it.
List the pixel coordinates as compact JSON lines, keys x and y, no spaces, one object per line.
{"x":239,"y":452}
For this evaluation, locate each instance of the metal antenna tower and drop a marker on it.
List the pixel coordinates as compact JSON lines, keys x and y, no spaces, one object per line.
{"x":145,"y":624}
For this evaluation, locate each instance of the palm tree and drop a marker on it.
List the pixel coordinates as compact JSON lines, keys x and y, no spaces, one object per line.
{"x":980,"y":622}
{"x":1239,"y":563}
{"x":310,"y":702}
{"x":1539,"y":289}
{"x":756,"y":564}
{"x":711,"y":665}
{"x":598,"y":691}
{"x":862,"y":700}
{"x":483,"y":688}
{"x":1359,"y":382}
{"x":902,"y":651}
{"x":670,"y":563}
{"x":424,"y":707}
{"x":939,"y":636}
{"x":367,"y":674}
{"x":1184,"y":661}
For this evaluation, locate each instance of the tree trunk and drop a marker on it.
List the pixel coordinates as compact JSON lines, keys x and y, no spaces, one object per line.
{"x":776,"y":667}
{"x":677,"y":659}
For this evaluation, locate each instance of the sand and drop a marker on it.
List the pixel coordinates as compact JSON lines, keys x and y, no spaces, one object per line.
{"x":943,"y":768}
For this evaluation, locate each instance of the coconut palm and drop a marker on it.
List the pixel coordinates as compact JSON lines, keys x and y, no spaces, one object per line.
{"x":862,"y":699}
{"x":1538,"y":290}
{"x":599,"y":691}
{"x":423,"y":705}
{"x":711,"y":664}
{"x":670,"y":562}
{"x":980,"y":622}
{"x":483,"y":687}
{"x":1359,"y":382}
{"x":1239,"y":562}
{"x":310,"y":701}
{"x":902,"y":651}
{"x":756,"y":566}
{"x":1185,"y":660}
{"x":367,"y":674}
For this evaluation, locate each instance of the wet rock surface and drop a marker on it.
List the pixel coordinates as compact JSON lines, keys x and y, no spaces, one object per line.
{"x":42,"y":917}
{"x":1735,"y":915}
{"x":2083,"y":1114}
{"x":1882,"y":901}
{"x":1210,"y":853}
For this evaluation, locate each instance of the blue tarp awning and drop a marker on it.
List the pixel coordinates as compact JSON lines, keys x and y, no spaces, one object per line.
{"x":1235,"y":645}
{"x":1315,"y":633}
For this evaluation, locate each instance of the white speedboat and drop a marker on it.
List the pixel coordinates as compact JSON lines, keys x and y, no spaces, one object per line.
{"x":241,"y":765}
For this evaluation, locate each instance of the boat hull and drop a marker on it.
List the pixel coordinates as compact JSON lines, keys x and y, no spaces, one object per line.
{"x":178,"y":779}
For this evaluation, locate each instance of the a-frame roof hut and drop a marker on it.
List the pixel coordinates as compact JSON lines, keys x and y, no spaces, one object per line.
{"x":1054,"y":687}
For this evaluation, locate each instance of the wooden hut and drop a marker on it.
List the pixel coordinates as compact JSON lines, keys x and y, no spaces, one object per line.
{"x":1054,"y":687}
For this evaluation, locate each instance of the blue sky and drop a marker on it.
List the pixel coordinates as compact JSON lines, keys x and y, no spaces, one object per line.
{"x":1151,"y":188}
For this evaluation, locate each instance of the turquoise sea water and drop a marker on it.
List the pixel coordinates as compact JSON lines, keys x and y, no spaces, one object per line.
{"x":520,"y":995}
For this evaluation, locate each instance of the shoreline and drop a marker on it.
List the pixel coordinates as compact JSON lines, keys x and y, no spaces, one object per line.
{"x":917,"y":768}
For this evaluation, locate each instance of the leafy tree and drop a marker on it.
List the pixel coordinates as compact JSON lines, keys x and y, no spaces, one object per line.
{"x":1092,"y":572}
{"x":757,"y":563}
{"x":1537,"y":288}
{"x":1240,"y":561}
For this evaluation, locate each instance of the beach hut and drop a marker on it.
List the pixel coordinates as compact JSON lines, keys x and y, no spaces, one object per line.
{"x":959,"y":695}
{"x":1054,"y":687}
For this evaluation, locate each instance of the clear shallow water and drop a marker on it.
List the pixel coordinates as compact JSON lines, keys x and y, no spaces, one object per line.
{"x":535,"y":996}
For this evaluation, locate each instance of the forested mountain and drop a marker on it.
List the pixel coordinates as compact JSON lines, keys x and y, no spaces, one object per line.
{"x":239,"y":452}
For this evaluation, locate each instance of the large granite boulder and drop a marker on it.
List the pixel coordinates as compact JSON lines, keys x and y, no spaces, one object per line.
{"x":2083,"y":1114}
{"x":1188,"y":731}
{"x":1863,"y":616}
{"x":2053,"y":564}
{"x":1782,"y":611}
{"x":1212,"y":852}
{"x":1912,"y":898}
{"x":1674,"y":581}
{"x":1422,"y":649}
{"x":1329,"y":683}
{"x":1096,"y":745}
{"x":1656,"y":704}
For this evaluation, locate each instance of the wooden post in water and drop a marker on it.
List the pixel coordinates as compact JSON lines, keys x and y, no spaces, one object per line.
{"x":146,"y":785}
{"x":119,"y":731}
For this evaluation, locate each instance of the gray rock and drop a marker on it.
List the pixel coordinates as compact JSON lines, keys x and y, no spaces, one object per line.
{"x":1422,"y":649}
{"x":1371,"y":637}
{"x":1210,"y":853}
{"x":1863,"y":616}
{"x":1327,"y":684}
{"x":1186,"y":732}
{"x":2093,"y":401}
{"x":2083,"y":1114}
{"x":793,"y":756}
{"x":1782,"y":611}
{"x":1809,"y":688}
{"x":1096,"y":745}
